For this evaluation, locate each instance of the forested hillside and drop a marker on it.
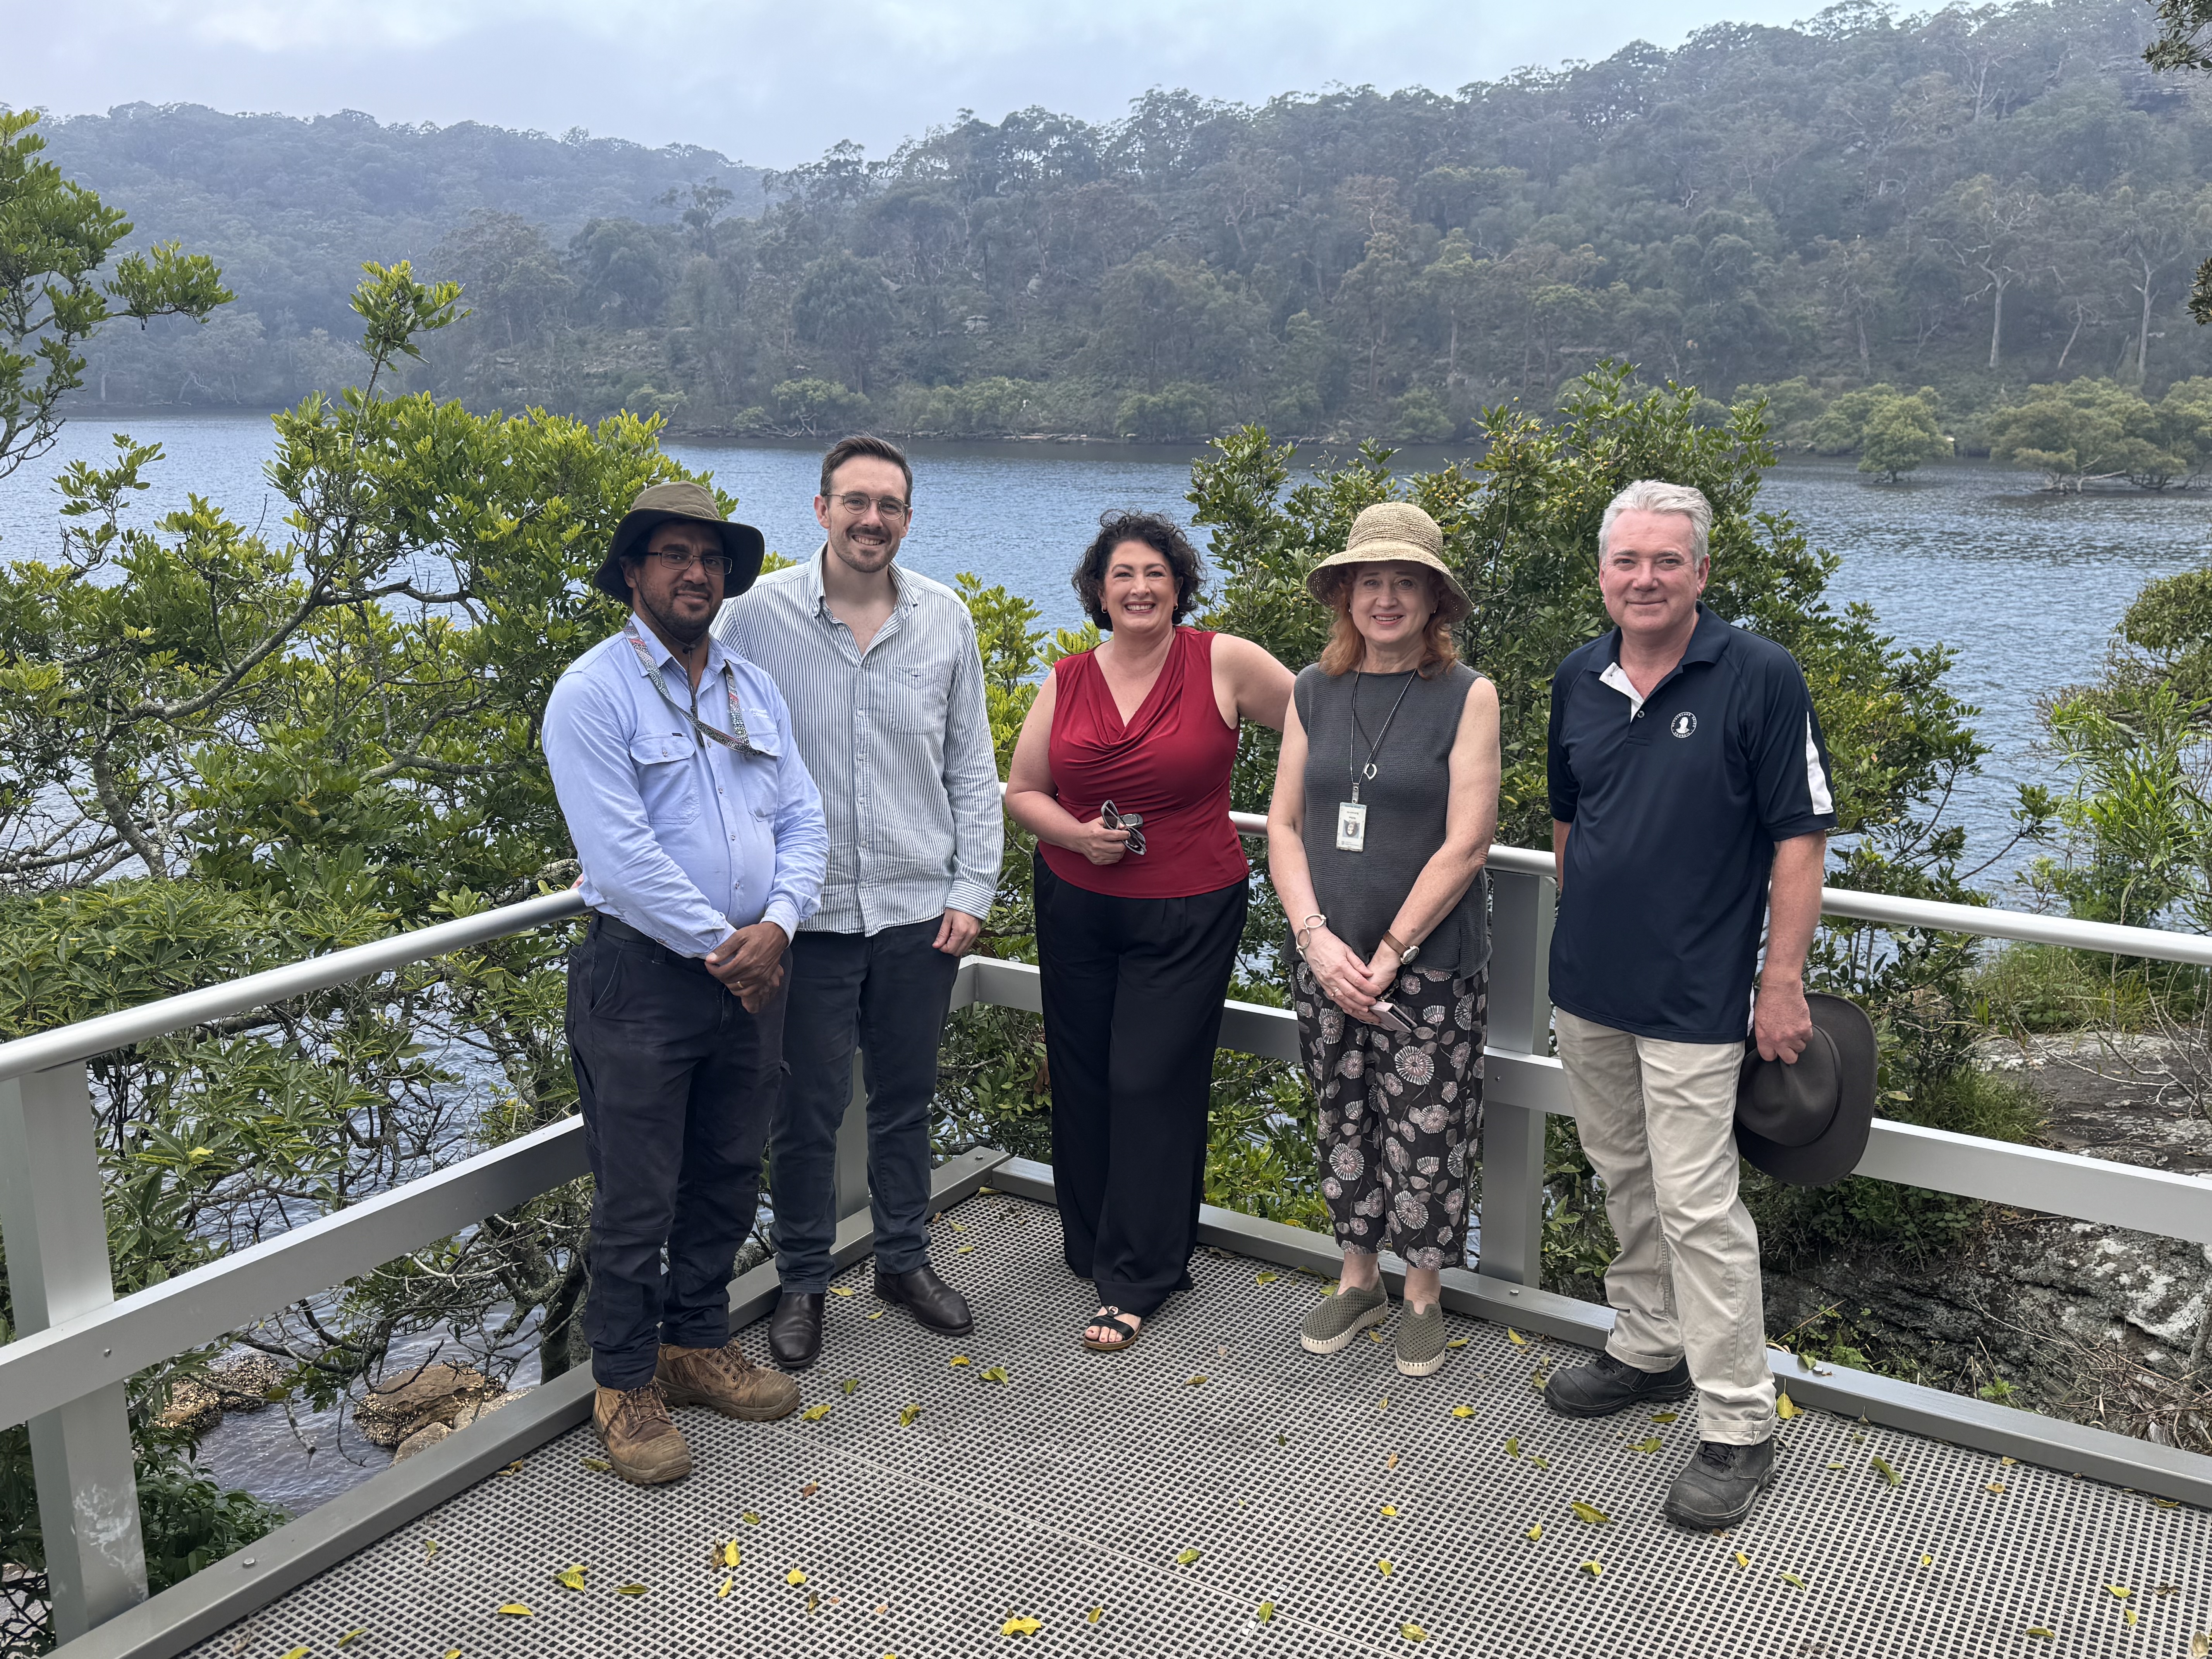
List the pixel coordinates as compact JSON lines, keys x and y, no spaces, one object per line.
{"x":291,"y":208}
{"x":1971,"y":201}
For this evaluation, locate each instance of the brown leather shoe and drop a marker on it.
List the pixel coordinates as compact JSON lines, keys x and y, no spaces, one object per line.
{"x":726,"y":1380}
{"x":642,"y":1441}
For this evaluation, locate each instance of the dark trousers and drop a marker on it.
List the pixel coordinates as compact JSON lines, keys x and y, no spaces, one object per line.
{"x":676,"y":1080}
{"x":891,"y":990}
{"x":1133,"y":993}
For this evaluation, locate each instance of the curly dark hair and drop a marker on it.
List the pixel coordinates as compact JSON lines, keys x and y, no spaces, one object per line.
{"x":1155,"y":531}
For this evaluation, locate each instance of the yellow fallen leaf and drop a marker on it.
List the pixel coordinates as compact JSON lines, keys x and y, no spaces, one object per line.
{"x":1664,"y":1417}
{"x":1463,"y":1411}
{"x":850,"y":1385}
{"x":1375,"y":1336}
{"x":1412,"y":1632}
{"x":1926,"y":1560}
{"x":1196,"y":1382}
{"x":1094,"y":1615}
{"x":962,"y":1249}
{"x":1021,"y":1627}
{"x":1383,"y":1404}
{"x":1390,"y":1509}
{"x":1513,"y":1445}
{"x":2199,"y":1645}
{"x":2120,"y":1590}
{"x":516,"y":1610}
{"x":1185,"y":1558}
{"x":724,"y":1592}
{"x":1741,"y":1560}
{"x":1264,"y":1612}
{"x":907,"y":1414}
{"x":2130,"y":1615}
{"x":1535,"y":1533}
{"x":430,"y":1545}
{"x":2167,"y":1503}
{"x":452,"y":1653}
{"x":1391,"y":1462}
{"x":732,"y":1556}
{"x":1791,"y":1579}
{"x":300,"y":1652}
{"x":794,"y":1576}
{"x":994,"y":1374}
{"x":962,"y":1360}
{"x":878,"y":1314}
{"x":1384,"y":1567}
{"x":1835,"y":1466}
{"x":1993,"y":1486}
{"x":956,"y":1227}
{"x":814,"y":1413}
{"x":352,"y":1637}
{"x":2042,"y":1633}
{"x":571,"y":1577}
{"x":1589,"y":1514}
{"x":1540,"y":1460}
{"x":1455,"y":1342}
{"x":597,"y":1465}
{"x":840,"y":1290}
{"x":1881,"y":1466}
{"x":1785,"y":1406}
{"x":1515,"y":1338}
{"x":1650,"y":1442}
{"x":1265,"y":1279}
{"x":1594,"y":1568}
{"x":2008,"y":1462}
{"x":630,"y":1589}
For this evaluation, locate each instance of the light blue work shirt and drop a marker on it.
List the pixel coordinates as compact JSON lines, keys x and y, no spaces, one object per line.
{"x":681,"y":837}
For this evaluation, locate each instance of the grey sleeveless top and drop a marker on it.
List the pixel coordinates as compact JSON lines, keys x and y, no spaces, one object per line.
{"x":1360,"y":893}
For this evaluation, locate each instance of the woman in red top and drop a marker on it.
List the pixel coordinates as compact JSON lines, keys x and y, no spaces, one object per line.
{"x":1121,"y":772}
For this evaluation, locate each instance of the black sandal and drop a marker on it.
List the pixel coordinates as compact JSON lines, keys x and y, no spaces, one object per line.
{"x":1110,"y":1317}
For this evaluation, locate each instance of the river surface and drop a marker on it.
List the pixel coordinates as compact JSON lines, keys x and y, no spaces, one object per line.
{"x":2025,"y":588}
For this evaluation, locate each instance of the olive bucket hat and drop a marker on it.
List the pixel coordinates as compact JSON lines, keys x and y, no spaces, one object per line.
{"x":1807,"y":1124}
{"x":1393,"y":533}
{"x":662,"y":503}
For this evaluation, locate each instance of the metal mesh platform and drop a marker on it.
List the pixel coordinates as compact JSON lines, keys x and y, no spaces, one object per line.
{"x":1083,"y":1481}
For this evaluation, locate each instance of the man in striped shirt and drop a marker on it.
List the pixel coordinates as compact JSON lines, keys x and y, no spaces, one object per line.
{"x":880,"y":669}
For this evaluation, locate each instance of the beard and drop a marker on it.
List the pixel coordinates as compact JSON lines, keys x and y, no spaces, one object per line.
{"x":683,"y":628}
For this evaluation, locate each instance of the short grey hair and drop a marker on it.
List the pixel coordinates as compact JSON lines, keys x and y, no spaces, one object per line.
{"x":1656,"y":495}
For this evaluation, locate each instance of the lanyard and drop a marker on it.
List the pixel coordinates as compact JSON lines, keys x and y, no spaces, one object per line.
{"x":737,"y":740}
{"x":1350,"y":744}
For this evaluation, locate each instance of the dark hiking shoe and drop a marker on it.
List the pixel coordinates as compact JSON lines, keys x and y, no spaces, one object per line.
{"x":1336,"y":1319}
{"x":932,"y":1303}
{"x":643,"y":1441}
{"x":1606,"y":1385}
{"x":795,"y":1329}
{"x":1721,"y":1484}
{"x":722,"y":1379}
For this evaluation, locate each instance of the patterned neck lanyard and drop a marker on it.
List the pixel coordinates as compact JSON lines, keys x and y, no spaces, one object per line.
{"x":735,"y":740}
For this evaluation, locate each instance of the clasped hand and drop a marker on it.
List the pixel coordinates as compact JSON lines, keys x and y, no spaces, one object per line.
{"x":1351,"y":984}
{"x":750,"y":962}
{"x":1099,"y":844}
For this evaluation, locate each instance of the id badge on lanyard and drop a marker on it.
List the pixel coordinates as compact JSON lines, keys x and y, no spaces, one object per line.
{"x":1350,"y":826}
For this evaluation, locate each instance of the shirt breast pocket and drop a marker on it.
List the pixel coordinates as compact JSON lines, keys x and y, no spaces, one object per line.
{"x":665,"y":780}
{"x":918,"y":697}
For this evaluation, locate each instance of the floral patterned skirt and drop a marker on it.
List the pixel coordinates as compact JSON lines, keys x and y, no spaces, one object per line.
{"x":1400,"y":1116}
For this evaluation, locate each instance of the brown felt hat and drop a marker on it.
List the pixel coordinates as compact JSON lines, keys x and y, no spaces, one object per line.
{"x":659,"y":504}
{"x":1807,"y":1123}
{"x":1393,"y":533}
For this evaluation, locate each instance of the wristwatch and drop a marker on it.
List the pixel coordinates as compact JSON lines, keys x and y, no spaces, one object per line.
{"x":1405,"y":952}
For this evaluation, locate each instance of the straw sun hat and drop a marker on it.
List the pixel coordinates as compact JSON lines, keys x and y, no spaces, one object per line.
{"x":1393,"y":533}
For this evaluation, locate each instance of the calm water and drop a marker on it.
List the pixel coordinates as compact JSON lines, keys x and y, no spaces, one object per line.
{"x":2024,"y":587}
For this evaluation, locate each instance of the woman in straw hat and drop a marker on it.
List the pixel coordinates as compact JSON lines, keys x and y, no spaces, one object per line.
{"x":1386,"y":798}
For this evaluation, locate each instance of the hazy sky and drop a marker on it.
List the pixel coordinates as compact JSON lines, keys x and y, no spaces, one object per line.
{"x":777,"y":84}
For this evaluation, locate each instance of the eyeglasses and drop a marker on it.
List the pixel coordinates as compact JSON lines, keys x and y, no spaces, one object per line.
{"x":715,"y":564}
{"x":1129,"y":821}
{"x":890,"y":506}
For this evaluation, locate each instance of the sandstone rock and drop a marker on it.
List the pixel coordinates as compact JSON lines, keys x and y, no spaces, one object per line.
{"x":411,"y":1400}
{"x":422,"y":1440}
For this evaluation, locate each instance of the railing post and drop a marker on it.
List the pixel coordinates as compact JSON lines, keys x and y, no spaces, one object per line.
{"x":53,"y":1224}
{"x":1521,"y":907}
{"x":853,"y":1145}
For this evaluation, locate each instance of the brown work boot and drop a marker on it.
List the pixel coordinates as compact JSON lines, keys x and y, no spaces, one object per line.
{"x":726,"y":1380}
{"x":643,"y":1441}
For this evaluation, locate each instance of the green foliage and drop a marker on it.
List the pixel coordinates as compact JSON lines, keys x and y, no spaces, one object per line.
{"x":1900,"y":434}
{"x":1891,"y":432}
{"x":54,"y":240}
{"x":1182,"y":409}
{"x":2088,"y":432}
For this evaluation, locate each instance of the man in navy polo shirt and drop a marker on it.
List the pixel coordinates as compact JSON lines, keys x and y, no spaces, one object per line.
{"x":1686,"y":769}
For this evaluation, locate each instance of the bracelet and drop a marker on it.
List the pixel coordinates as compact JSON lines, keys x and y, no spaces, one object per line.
{"x":1405,"y":952}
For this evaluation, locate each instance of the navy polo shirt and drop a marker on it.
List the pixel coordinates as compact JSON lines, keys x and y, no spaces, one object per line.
{"x":1677,"y":800}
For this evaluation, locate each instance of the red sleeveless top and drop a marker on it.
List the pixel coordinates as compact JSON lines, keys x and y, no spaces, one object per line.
{"x":1170,"y":763}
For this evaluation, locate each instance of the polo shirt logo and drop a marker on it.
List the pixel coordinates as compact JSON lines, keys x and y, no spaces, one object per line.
{"x":1683,"y":724}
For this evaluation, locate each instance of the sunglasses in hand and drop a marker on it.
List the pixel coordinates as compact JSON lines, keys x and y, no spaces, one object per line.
{"x":1132,"y":821}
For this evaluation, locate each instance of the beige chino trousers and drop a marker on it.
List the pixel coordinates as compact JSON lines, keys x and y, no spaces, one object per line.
{"x":1658,"y":1121}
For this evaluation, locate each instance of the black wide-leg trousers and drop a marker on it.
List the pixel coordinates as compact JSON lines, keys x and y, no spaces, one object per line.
{"x":1132,"y":992}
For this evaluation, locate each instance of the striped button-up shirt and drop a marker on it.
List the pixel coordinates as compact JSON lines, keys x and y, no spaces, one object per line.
{"x":898,"y":739}
{"x":681,"y":837}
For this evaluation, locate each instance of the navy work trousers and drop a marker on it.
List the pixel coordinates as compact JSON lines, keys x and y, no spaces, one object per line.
{"x":1133,"y":993}
{"x":889,"y":990}
{"x":677,"y":1081}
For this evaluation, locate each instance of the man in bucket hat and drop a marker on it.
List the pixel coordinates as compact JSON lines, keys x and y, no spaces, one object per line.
{"x":1687,"y":772}
{"x":702,"y":845}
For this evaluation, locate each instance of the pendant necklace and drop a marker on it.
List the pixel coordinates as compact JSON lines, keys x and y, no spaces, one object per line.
{"x":1352,"y":814}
